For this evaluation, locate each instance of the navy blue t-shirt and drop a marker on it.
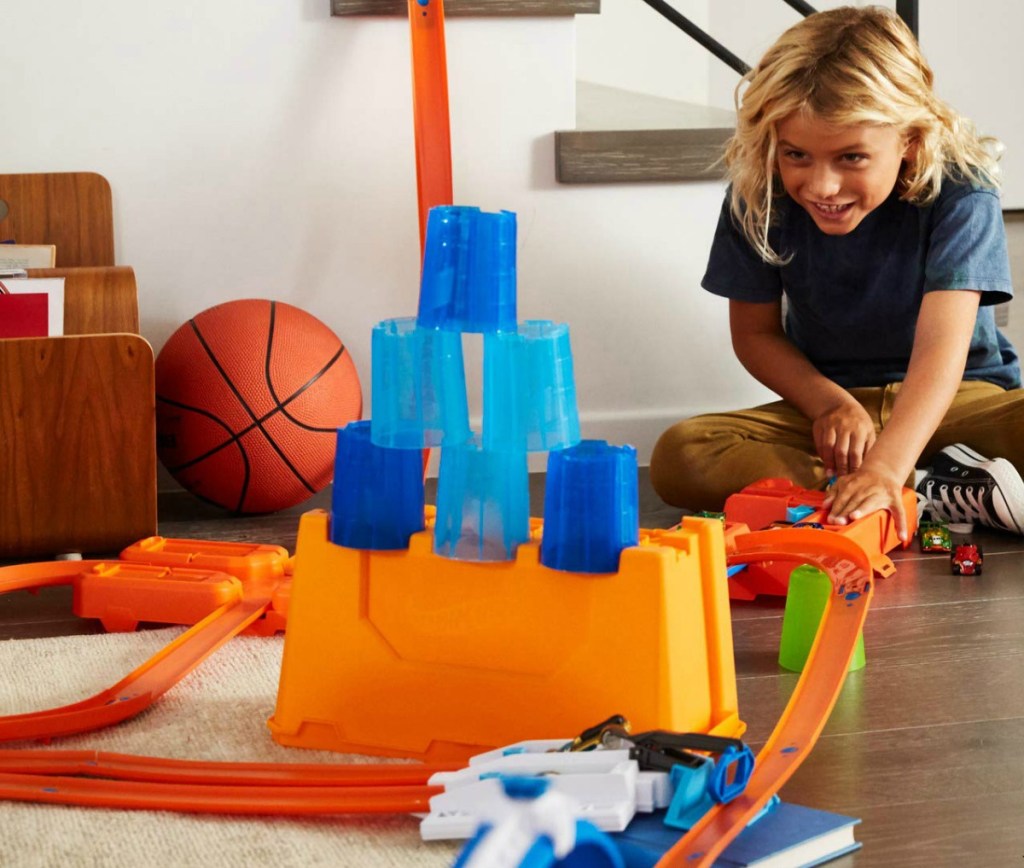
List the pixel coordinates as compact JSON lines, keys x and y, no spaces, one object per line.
{"x":853,"y":300}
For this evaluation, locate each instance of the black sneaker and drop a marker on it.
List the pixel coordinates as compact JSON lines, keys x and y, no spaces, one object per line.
{"x":963,"y":486}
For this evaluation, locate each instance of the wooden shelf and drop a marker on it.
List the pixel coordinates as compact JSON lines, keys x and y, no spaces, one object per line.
{"x":77,"y":412}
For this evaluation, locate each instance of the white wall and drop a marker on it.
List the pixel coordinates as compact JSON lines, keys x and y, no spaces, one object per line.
{"x":259,"y":148}
{"x":974,"y":49}
{"x":264,"y":149}
{"x":631,"y":46}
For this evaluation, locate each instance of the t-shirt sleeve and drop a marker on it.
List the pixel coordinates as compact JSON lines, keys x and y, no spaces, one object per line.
{"x":735,"y":270}
{"x":967,"y":247}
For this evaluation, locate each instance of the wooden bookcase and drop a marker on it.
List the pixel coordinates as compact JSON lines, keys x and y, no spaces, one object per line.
{"x":77,"y":420}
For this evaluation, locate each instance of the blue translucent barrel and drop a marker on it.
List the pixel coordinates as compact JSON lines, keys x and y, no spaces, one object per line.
{"x":483,"y":504}
{"x":419,"y":386}
{"x":469,"y":270}
{"x":377,"y":502}
{"x":591,"y":507}
{"x":529,"y":389}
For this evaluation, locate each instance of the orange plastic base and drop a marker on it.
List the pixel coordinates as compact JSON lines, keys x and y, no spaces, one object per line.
{"x":410,"y":654}
{"x":181,"y":581}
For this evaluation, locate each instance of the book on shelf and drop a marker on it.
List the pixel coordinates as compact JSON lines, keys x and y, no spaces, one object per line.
{"x":31,"y":307}
{"x":28,"y":255}
{"x":785,"y":836}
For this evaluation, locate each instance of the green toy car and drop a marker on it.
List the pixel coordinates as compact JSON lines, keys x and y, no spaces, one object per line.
{"x":934,"y":536}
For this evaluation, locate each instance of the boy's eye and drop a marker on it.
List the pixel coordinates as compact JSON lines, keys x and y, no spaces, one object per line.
{"x":793,"y":154}
{"x":854,"y":158}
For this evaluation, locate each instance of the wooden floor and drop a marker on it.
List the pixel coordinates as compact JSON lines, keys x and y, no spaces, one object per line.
{"x":926,"y":743}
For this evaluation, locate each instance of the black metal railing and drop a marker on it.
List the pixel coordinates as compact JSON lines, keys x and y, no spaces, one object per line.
{"x":906,"y":9}
{"x":695,"y":33}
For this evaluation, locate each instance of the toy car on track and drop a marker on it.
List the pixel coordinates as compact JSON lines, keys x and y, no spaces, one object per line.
{"x":966,"y":560}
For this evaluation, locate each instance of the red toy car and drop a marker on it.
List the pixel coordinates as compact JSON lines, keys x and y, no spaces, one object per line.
{"x":966,"y":560}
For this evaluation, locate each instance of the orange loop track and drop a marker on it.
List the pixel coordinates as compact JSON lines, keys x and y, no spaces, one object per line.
{"x":815,"y":693}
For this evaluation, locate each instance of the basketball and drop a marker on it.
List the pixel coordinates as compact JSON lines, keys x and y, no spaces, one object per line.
{"x":249,"y":397}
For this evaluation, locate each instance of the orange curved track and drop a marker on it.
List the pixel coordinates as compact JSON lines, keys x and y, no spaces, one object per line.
{"x":99,"y":779}
{"x":140,"y":688}
{"x":815,"y":693}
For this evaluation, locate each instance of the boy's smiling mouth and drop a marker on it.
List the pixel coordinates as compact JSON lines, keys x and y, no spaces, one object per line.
{"x":831,"y":212}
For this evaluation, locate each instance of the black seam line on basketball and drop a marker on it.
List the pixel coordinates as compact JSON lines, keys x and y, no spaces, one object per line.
{"x":277,"y":400}
{"x":231,"y":386}
{"x":282,"y":405}
{"x":187,"y":464}
{"x":266,"y":374}
{"x":233,"y":438}
{"x":241,"y":400}
{"x":256,"y":421}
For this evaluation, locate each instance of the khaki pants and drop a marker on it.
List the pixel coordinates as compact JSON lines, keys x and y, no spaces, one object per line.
{"x":699,"y":462}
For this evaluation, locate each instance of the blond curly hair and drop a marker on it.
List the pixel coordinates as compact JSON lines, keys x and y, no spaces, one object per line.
{"x":847,"y":66}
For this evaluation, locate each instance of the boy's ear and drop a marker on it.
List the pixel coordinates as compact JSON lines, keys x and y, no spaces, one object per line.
{"x":911,"y":146}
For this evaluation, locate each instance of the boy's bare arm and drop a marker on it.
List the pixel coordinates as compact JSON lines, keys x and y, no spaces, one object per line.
{"x":941,"y":341}
{"x":842,"y":430}
{"x":764,"y":350}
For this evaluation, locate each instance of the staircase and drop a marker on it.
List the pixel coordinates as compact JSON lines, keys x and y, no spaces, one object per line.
{"x":620,"y":135}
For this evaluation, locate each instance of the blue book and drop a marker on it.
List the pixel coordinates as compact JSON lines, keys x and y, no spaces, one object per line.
{"x":787,"y":836}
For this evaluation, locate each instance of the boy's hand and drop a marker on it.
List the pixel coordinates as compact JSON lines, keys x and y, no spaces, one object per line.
{"x":855,"y":495}
{"x":842,"y":437}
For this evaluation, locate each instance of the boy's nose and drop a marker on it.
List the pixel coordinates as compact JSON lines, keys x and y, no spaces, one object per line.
{"x":824,"y":182}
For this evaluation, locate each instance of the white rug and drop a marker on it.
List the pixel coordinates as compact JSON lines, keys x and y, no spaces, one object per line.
{"x":218,"y":712}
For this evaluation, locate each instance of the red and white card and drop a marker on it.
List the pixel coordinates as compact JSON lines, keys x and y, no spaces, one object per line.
{"x":31,"y":307}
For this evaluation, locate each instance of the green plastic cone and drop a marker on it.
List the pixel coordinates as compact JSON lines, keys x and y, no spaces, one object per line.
{"x":809,"y":590}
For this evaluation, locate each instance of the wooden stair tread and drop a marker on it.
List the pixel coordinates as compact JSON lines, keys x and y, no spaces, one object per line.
{"x":517,"y":8}
{"x":623,"y":136}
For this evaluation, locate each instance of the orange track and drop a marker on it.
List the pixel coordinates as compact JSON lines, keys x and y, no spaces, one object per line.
{"x":814,"y":695}
{"x":140,"y":688}
{"x":430,"y":109}
{"x":215,"y":798}
{"x":267,"y":788}
{"x":98,"y":779}
{"x":126,"y":767}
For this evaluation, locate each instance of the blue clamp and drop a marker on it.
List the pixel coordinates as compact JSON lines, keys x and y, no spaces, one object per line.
{"x":718,"y":784}
{"x":691,"y":798}
{"x":697,"y":786}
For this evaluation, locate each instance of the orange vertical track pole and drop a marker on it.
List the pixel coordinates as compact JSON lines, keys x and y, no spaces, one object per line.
{"x":430,"y":109}
{"x":430,"y":116}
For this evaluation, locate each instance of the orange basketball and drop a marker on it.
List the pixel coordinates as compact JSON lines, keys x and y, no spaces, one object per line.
{"x":249,"y":397}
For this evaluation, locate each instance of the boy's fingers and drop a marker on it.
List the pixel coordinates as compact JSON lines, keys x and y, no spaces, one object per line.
{"x":902,"y":531}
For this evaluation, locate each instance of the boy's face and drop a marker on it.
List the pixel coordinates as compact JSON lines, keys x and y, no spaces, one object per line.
{"x":838,"y":174}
